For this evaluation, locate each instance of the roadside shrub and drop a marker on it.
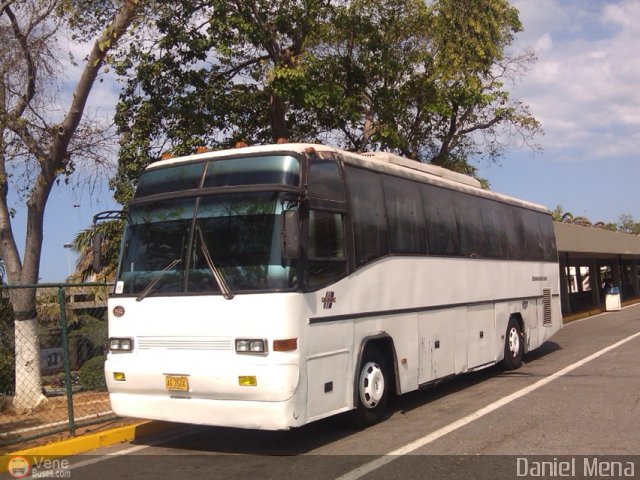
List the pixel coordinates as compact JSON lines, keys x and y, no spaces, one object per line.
{"x":7,"y":360}
{"x":92,"y":374}
{"x":7,"y":373}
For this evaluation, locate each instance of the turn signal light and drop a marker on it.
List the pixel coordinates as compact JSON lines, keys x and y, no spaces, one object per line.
{"x":286,"y":345}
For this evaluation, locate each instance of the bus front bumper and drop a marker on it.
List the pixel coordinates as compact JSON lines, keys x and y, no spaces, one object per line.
{"x":253,"y":414}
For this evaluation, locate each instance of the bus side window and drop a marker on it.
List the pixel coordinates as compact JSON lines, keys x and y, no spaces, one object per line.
{"x":368,"y":215}
{"x":325,"y":181}
{"x":407,"y":229}
{"x":548,"y":238}
{"x":325,"y":248}
{"x":440,"y":217}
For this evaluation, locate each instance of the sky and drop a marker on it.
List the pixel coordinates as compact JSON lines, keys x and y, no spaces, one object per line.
{"x":583,"y":88}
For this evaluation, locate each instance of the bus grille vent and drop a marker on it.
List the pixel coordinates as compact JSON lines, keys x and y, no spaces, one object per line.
{"x":184,"y":343}
{"x":546,"y":307}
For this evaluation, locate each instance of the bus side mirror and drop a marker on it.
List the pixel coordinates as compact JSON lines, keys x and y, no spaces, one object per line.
{"x":290,"y":235}
{"x":96,"y":248}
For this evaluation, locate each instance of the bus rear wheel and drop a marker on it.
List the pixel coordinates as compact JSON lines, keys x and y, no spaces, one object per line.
{"x":513,"y":346}
{"x":372,"y":389}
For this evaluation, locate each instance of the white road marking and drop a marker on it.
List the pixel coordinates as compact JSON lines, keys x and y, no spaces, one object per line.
{"x":421,"y":442}
{"x":128,"y":451}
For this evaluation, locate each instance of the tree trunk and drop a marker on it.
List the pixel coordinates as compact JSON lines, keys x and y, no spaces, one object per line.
{"x":51,"y":158}
{"x":367,"y":131}
{"x":28,"y":392}
{"x":277,"y":111}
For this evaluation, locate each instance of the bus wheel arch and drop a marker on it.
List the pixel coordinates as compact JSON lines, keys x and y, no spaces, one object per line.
{"x":514,"y":343}
{"x":375,"y":380}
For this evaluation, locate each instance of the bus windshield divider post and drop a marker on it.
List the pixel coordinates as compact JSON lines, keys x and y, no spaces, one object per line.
{"x":224,"y":288}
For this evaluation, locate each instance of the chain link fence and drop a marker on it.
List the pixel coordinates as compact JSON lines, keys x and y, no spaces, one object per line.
{"x":52,"y":360}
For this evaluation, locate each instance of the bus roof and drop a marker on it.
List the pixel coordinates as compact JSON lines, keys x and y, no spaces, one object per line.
{"x":378,"y":161}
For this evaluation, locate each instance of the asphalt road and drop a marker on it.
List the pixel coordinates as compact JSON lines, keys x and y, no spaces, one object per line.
{"x":572,"y":405}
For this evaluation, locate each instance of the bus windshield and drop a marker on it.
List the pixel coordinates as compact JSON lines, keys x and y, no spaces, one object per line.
{"x":241,"y":233}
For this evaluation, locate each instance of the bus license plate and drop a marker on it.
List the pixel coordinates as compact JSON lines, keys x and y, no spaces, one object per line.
{"x":176,"y":383}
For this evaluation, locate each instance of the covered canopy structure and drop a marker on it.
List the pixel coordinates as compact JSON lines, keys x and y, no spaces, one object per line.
{"x":592,"y":260}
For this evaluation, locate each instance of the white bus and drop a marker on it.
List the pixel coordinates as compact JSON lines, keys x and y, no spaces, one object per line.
{"x":269,"y":287}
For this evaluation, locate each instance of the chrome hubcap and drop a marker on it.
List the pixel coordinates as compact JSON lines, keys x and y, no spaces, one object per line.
{"x":371,"y":385}
{"x":514,"y":342}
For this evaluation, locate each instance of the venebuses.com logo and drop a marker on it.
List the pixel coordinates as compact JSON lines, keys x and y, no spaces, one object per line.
{"x":38,"y":467}
{"x":18,"y":467}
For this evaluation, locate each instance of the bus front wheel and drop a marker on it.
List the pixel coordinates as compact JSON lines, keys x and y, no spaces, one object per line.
{"x":513,"y":346}
{"x":372,"y":389}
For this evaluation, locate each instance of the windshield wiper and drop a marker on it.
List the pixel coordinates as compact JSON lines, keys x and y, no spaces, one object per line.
{"x":149,"y":288}
{"x":222,"y":284}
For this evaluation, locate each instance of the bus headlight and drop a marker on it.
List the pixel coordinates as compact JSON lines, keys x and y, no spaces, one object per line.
{"x":256,"y":346}
{"x":121,"y":345}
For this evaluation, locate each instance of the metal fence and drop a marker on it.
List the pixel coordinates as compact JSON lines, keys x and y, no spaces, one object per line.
{"x":69,"y":352}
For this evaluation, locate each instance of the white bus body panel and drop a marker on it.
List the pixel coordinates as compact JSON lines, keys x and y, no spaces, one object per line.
{"x":194,"y":336}
{"x":445,"y":316}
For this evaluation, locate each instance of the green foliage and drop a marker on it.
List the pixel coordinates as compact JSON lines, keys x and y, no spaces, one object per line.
{"x":213,"y":77}
{"x":423,"y":79}
{"x":627,"y":224}
{"x":557,"y":213}
{"x":7,"y":373}
{"x":92,"y":374}
{"x":91,"y":328}
{"x":7,"y":357}
{"x":112,"y":236}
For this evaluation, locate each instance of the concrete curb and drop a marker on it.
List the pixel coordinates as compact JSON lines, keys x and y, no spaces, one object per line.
{"x":88,"y":442}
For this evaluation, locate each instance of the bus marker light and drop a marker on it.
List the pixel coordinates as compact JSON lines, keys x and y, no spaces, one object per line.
{"x":286,"y":345}
{"x":248,"y":381}
{"x":119,"y":377}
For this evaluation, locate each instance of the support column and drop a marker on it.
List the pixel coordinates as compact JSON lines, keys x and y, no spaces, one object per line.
{"x":594,"y":283}
{"x":634,"y":278}
{"x":564,"y":286}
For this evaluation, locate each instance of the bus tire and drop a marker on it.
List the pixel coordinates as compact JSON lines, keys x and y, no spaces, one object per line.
{"x":513,"y":346}
{"x":372,"y":389}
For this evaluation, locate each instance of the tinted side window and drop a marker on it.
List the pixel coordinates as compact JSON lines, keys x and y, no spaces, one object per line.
{"x":533,"y":245}
{"x":326,"y":235}
{"x":325,"y":181}
{"x":407,"y":230}
{"x":493,"y":222}
{"x":514,"y":233}
{"x":442,"y":228}
{"x":368,"y":214}
{"x":325,"y":247}
{"x":469,"y":225}
{"x":550,"y":250}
